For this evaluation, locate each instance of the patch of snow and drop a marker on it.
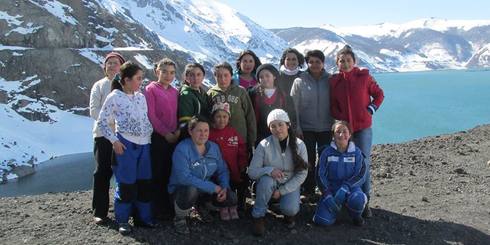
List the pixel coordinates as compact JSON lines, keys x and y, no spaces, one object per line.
{"x":13,"y":47}
{"x":143,"y":60}
{"x":59,"y":10}
{"x":92,"y":56}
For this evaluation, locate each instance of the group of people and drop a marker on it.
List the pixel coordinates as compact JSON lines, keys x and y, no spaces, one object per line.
{"x":274,"y":134}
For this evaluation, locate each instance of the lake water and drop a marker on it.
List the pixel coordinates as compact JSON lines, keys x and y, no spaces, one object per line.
{"x":419,"y":104}
{"x":416,"y":105}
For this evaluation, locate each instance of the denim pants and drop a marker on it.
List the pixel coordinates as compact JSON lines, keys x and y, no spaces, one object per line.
{"x":364,"y":140}
{"x":266,"y":185}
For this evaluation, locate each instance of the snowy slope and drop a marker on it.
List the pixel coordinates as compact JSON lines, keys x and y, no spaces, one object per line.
{"x":26,"y":142}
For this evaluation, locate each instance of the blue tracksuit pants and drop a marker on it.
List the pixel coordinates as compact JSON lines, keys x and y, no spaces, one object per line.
{"x":132,"y":171}
{"x":355,"y":202}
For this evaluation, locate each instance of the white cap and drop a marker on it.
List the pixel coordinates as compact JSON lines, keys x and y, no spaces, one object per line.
{"x":277,"y":115}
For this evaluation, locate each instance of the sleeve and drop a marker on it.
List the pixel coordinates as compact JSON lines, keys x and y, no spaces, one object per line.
{"x":223,"y":173}
{"x":186,"y":108}
{"x":360,"y":171}
{"x":296,"y":95}
{"x":375,"y":92}
{"x":299,"y":177}
{"x":257,"y":168}
{"x":157,"y":124}
{"x":181,"y":170}
{"x":250,"y":117}
{"x":95,"y":103}
{"x":322,"y":173}
{"x":242,"y":152}
{"x":106,"y":116}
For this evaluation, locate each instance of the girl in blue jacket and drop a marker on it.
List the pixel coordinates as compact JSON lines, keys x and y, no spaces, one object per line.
{"x":340,"y":174}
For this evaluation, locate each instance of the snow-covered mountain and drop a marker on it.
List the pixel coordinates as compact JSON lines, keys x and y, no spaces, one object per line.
{"x":425,"y":44}
{"x":51,"y":52}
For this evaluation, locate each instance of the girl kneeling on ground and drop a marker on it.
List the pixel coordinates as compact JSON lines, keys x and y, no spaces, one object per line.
{"x":340,"y":175}
{"x":126,"y":106}
{"x":199,"y":173}
{"x":279,"y":167}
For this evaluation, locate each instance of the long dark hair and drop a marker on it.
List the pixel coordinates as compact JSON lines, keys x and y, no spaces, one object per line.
{"x":298,"y":162}
{"x":299,"y":56}
{"x":128,"y":70}
{"x":254,"y":56}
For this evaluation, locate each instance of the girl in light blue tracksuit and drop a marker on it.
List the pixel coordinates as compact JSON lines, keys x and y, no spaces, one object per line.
{"x":340,"y":174}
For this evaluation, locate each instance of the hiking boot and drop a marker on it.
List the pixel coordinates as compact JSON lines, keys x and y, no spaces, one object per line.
{"x":358,"y":221}
{"x":367,"y":213}
{"x":290,"y":221}
{"x":181,"y":226}
{"x":205,"y":214}
{"x":259,"y":226}
{"x":124,"y":229}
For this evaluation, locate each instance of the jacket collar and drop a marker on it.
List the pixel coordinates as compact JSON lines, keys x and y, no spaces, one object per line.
{"x":350,"y":148}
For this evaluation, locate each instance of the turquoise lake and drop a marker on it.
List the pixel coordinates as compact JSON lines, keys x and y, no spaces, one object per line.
{"x":419,"y":104}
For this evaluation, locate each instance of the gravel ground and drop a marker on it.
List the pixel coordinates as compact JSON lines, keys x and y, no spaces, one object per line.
{"x":430,"y":191}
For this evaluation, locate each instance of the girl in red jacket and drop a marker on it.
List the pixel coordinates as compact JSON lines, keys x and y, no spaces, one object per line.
{"x":354,"y":97}
{"x":234,"y":151}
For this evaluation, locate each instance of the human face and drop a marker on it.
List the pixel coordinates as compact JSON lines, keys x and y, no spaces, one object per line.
{"x":223,"y":78}
{"x":133,"y":84}
{"x":247,"y":64}
{"x":165,"y":74}
{"x":195,"y":78}
{"x":341,"y":136}
{"x":291,"y":62}
{"x":345,"y":63}
{"x":200,"y":133}
{"x":221,"y":119}
{"x":279,"y":129}
{"x":315,"y":65}
{"x":266,"y":79}
{"x":112,"y":67}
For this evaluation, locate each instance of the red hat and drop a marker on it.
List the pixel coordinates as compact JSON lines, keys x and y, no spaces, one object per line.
{"x":114,"y":55}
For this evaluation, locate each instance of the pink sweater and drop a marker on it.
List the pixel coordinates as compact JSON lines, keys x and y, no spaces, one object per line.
{"x":162,"y":107}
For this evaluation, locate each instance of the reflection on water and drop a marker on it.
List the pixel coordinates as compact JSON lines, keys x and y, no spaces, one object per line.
{"x":62,"y":174}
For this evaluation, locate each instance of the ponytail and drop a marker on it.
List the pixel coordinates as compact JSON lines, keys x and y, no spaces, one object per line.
{"x":298,"y":162}
{"x":116,"y":83}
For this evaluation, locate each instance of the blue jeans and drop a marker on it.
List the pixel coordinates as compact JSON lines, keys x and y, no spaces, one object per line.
{"x":266,"y":185}
{"x":364,"y":140}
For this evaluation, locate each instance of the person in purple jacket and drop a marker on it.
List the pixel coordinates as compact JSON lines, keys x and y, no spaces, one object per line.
{"x":162,"y":99}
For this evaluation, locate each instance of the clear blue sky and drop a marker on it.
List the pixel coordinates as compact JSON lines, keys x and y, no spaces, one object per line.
{"x":310,"y":13}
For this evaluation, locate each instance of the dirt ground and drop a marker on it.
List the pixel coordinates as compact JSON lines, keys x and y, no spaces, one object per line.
{"x":430,"y":191}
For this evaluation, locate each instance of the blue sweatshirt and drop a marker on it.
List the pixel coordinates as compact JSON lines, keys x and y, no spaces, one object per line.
{"x":336,"y":169}
{"x":191,"y":169}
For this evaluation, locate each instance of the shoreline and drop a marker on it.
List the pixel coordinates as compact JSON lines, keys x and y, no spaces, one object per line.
{"x":431,"y":190}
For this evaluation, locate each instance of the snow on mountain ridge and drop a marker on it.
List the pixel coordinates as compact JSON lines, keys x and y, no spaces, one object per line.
{"x":395,"y":30}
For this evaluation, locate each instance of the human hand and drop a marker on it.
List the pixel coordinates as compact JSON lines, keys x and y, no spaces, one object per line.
{"x":341,"y":194}
{"x":118,"y":147}
{"x":221,"y":197}
{"x":277,"y":174}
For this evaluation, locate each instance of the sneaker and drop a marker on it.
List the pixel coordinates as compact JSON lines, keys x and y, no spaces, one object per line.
{"x":290,"y":221}
{"x":181,"y":226}
{"x":99,"y":220}
{"x":234,"y":213}
{"x":259,"y":226}
{"x":359,"y":221}
{"x":224,"y":214}
{"x":124,"y":228}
